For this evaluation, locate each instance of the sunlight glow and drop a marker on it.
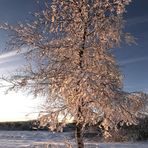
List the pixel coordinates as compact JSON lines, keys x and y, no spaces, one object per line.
{"x":18,"y":107}
{"x":15,"y":106}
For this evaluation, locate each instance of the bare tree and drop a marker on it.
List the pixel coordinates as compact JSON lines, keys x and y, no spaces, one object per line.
{"x":69,"y":46}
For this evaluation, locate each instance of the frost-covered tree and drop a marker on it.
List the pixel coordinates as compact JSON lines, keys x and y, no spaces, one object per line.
{"x":68,"y":46}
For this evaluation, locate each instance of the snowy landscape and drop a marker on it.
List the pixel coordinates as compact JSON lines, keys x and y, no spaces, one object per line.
{"x":44,"y":139}
{"x":67,"y":65}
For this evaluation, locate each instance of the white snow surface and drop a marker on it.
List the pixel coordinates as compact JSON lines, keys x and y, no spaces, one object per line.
{"x":44,"y":139}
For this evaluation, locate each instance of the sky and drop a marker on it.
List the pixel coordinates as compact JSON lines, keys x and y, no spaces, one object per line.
{"x":133,"y":60}
{"x":15,"y":106}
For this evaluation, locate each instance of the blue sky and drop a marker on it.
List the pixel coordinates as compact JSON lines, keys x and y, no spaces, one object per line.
{"x":133,"y":59}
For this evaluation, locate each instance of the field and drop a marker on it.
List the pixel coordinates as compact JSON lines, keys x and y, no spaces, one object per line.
{"x":43,"y":139}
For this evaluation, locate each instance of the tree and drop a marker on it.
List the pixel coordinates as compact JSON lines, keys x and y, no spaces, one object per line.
{"x":69,"y":45}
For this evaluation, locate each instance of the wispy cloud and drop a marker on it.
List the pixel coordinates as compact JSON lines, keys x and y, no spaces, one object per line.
{"x":9,"y":58}
{"x":134,"y":60}
{"x":10,"y":61}
{"x":8,"y":55}
{"x":13,"y":53}
{"x":136,"y":20}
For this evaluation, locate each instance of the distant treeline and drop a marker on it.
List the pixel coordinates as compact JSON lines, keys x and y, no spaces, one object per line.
{"x":124,"y":133}
{"x":20,"y":125}
{"x":131,"y":133}
{"x":29,"y":125}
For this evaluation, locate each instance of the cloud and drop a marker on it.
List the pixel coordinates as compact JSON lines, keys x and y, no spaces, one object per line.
{"x":12,"y":54}
{"x":136,"y":20}
{"x":8,"y":55}
{"x":10,"y":61}
{"x":134,"y":60}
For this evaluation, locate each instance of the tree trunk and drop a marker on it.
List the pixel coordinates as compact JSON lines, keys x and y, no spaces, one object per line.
{"x":79,"y":136}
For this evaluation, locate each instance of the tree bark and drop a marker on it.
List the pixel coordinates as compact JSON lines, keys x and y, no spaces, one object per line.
{"x":79,"y":136}
{"x":79,"y":127}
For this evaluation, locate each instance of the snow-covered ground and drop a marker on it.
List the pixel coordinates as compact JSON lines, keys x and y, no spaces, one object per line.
{"x":40,"y":139}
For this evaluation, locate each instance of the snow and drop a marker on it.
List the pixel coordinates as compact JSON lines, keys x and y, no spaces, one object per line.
{"x":44,"y":139}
